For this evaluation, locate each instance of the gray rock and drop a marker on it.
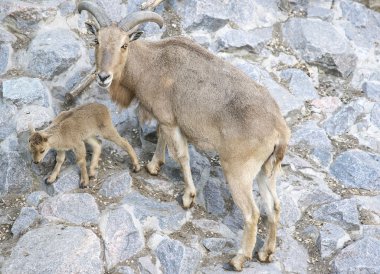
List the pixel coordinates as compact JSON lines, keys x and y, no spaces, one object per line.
{"x":25,"y":18}
{"x":6,"y":37}
{"x":331,"y":238}
{"x":5,"y":57}
{"x":290,"y":213}
{"x":319,"y":43}
{"x":215,"y":14}
{"x":234,"y":219}
{"x":7,"y":122}
{"x":286,"y":101}
{"x":364,"y":25}
{"x":343,"y":119}
{"x":16,"y":177}
{"x":66,"y":8}
{"x":287,"y":250}
{"x":146,"y":266}
{"x":343,"y":213}
{"x":124,"y":269}
{"x":311,"y":232}
{"x":320,"y":12}
{"x":56,"y":249}
{"x":24,"y":91}
{"x":228,"y":39}
{"x":37,"y":116}
{"x":218,"y":244}
{"x":76,"y":208}
{"x":249,"y":268}
{"x":122,"y":235}
{"x":174,"y":256}
{"x":167,"y":216}
{"x":359,"y":257}
{"x":372,"y":90}
{"x":116,"y":184}
{"x":27,"y":218}
{"x":357,"y":169}
{"x":371,"y":231}
{"x":300,"y":85}
{"x":52,"y":52}
{"x":67,"y":181}
{"x":214,"y":197}
{"x":375,"y":115}
{"x":371,"y":206}
{"x":311,"y":138}
{"x":36,"y":197}
{"x":214,"y":227}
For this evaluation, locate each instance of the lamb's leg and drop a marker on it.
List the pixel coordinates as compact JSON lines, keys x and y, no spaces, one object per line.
{"x":239,"y":176}
{"x":158,"y":158}
{"x":267,"y":187}
{"x":110,"y":133}
{"x":178,"y":147}
{"x":80,"y":153}
{"x":96,"y":151}
{"x":60,"y":158}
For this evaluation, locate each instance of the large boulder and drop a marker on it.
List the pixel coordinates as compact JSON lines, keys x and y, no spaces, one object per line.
{"x":313,"y":141}
{"x":122,"y":234}
{"x":331,"y":238}
{"x":319,"y":43}
{"x":76,"y":208}
{"x":53,"y":52}
{"x":211,"y":15}
{"x":359,"y":257}
{"x":357,"y":169}
{"x":7,"y":121}
{"x":25,"y":91}
{"x":56,"y":249}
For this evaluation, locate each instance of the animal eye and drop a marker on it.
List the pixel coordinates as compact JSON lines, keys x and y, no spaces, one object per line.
{"x":42,"y":151}
{"x":124,"y":46}
{"x":96,"y":41}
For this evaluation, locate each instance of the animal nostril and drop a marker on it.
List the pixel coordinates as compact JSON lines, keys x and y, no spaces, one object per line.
{"x":35,"y":162}
{"x":103,"y":76}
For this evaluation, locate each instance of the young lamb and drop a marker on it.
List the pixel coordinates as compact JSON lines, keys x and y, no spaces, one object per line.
{"x":71,"y":130}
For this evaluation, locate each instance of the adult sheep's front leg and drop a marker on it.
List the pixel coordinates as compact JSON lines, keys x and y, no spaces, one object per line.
{"x":80,"y":153}
{"x":60,"y":158}
{"x":178,"y":147}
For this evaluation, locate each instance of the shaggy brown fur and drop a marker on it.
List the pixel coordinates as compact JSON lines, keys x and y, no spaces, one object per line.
{"x":199,"y":98}
{"x":71,"y":130}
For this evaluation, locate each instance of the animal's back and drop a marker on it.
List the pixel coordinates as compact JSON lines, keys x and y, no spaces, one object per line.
{"x":212,"y":100}
{"x":83,"y":121}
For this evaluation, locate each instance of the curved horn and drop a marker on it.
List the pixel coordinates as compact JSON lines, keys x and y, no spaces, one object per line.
{"x":139,"y":17}
{"x":95,"y":10}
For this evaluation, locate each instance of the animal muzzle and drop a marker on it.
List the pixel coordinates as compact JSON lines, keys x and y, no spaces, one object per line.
{"x":104,"y":79}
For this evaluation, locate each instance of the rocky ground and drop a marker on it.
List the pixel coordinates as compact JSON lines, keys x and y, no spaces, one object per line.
{"x":321,"y":62}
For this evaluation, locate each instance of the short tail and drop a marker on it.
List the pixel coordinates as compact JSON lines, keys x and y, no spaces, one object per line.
{"x":273,"y":164}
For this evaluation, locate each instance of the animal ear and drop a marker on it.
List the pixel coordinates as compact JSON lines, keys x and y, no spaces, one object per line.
{"x":135,"y":35}
{"x":31,"y":128}
{"x":91,"y":28}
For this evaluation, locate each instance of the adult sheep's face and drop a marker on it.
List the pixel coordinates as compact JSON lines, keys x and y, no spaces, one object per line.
{"x":112,"y":39}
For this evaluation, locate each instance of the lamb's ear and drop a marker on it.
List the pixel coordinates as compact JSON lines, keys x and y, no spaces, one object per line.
{"x":135,"y":35}
{"x":91,"y":27}
{"x":31,"y":128}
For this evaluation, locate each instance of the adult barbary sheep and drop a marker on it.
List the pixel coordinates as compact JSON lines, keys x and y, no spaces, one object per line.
{"x":197,"y":97}
{"x":71,"y":130}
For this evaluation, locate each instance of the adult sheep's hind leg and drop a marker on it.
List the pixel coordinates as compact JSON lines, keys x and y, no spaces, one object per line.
{"x":178,"y":147}
{"x":239,"y":176}
{"x":267,"y":188}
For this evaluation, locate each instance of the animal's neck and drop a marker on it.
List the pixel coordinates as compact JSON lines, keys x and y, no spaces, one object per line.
{"x":131,"y":79}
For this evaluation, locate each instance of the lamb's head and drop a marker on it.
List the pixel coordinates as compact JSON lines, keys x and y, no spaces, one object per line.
{"x":112,"y":40}
{"x":38,"y":145}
